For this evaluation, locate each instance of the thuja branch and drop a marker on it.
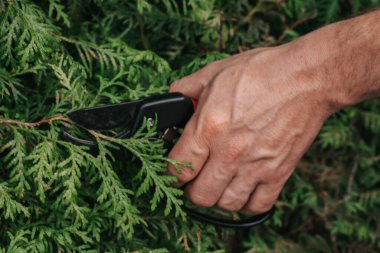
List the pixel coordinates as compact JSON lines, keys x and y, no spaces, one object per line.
{"x":177,"y":164}
{"x":152,"y":172}
{"x":35,"y":124}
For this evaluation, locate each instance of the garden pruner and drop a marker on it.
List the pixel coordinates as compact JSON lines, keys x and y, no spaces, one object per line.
{"x":169,"y":112}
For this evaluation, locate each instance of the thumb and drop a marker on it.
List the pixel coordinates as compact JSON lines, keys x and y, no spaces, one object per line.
{"x":193,"y":85}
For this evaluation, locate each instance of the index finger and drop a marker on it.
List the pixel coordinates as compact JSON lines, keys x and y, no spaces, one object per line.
{"x":189,"y":148}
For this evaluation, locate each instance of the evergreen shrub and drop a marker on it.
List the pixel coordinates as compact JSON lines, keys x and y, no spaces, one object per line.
{"x":57,"y":56}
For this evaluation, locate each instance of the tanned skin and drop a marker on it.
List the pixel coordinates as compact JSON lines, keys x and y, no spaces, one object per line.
{"x":259,"y":111}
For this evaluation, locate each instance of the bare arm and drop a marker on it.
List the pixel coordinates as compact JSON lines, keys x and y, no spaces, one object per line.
{"x":346,"y":57}
{"x":259,"y":111}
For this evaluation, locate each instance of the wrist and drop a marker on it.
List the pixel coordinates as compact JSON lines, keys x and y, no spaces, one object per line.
{"x":309,"y":57}
{"x":320,"y":54}
{"x":342,"y":60}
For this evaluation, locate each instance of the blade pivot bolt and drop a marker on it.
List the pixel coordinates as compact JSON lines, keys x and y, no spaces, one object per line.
{"x":150,"y":122}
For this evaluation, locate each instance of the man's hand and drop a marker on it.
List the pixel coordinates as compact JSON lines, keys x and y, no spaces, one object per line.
{"x":258,"y":112}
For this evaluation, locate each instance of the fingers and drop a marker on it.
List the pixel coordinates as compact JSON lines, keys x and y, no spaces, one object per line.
{"x":210,"y":183}
{"x":189,"y":148}
{"x":237,"y":193}
{"x":262,"y":199}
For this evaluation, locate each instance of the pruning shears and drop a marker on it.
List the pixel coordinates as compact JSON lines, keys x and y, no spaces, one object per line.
{"x":169,"y":112}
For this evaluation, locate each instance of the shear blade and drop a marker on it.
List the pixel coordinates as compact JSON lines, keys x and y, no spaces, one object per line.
{"x":105,"y":117}
{"x":77,"y":141}
{"x":120,"y":154}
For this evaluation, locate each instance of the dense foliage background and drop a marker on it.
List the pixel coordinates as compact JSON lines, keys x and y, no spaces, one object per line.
{"x":57,"y":56}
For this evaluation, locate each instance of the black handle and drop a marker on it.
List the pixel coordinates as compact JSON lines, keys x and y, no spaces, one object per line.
{"x":244,"y":223}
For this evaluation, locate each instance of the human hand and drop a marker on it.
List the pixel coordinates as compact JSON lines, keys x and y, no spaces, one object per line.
{"x":258,"y":112}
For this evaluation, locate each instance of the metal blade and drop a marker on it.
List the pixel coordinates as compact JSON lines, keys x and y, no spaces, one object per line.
{"x":120,"y":154}
{"x":105,"y":117}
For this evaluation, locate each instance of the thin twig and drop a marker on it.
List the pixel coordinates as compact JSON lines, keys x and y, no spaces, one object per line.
{"x":184,"y":242}
{"x":294,"y":25}
{"x":348,"y":194}
{"x":374,"y":158}
{"x":100,"y":136}
{"x":35,"y":124}
{"x":221,"y":37}
{"x":324,"y":216}
{"x":352,"y":176}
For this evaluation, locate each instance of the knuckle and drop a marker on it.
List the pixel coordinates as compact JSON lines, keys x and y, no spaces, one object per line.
{"x":231,"y":200}
{"x":276,"y":176}
{"x":174,"y":85}
{"x":201,"y":200}
{"x":212,"y":125}
{"x":232,"y":151}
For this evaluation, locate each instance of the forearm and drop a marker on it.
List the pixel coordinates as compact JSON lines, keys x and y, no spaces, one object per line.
{"x":344,"y":59}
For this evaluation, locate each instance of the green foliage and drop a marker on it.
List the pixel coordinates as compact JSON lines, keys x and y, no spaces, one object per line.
{"x":57,"y":56}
